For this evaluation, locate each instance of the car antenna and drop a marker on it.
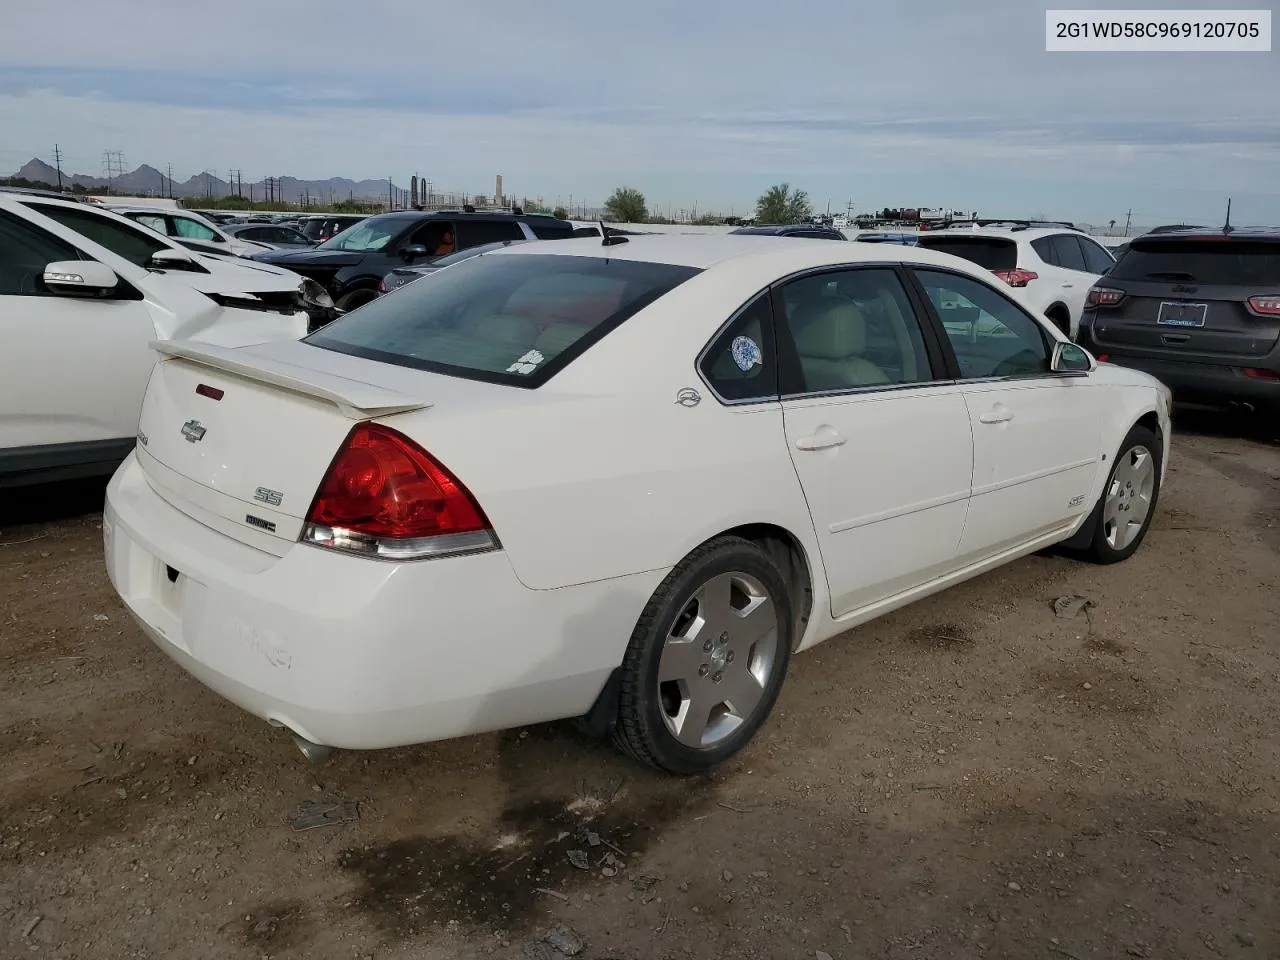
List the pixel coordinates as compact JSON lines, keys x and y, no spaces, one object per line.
{"x":1226,"y":227}
{"x":610,"y":239}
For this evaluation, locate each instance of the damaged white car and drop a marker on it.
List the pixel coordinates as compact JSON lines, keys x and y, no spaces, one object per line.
{"x":83,"y":294}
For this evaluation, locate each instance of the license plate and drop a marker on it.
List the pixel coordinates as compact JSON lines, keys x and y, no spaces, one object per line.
{"x":1182,"y":314}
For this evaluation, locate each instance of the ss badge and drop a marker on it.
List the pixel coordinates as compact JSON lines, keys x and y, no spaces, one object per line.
{"x":269,"y":497}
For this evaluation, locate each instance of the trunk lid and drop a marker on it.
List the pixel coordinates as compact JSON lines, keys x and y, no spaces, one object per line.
{"x":241,"y":439}
{"x":1189,"y":296}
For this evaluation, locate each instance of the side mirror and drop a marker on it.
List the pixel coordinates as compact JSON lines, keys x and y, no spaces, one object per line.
{"x":86,"y":278}
{"x":1071,"y":358}
{"x":413,"y":252}
{"x":170,"y":260}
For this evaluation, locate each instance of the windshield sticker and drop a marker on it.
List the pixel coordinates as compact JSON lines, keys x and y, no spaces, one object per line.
{"x":527,"y":364}
{"x":746,"y":353}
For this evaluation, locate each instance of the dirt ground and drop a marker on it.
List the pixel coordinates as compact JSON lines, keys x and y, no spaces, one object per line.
{"x":970,"y":777}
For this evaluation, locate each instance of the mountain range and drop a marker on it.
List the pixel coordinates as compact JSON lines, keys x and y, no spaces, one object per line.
{"x":147,"y":181}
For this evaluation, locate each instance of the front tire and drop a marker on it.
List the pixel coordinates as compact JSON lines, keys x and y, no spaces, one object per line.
{"x":1128,"y":502}
{"x":706,"y":660}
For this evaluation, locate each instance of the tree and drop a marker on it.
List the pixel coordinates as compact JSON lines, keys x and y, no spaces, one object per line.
{"x":626,"y":205}
{"x":560,"y":213}
{"x":781,"y":204}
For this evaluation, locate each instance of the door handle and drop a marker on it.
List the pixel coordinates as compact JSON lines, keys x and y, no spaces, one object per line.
{"x":820,"y":441}
{"x":1068,"y":285}
{"x":996,"y":416}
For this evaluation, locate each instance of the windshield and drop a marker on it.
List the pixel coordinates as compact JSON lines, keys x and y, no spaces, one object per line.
{"x":367,"y":236}
{"x":1239,"y":262}
{"x":515,"y":319}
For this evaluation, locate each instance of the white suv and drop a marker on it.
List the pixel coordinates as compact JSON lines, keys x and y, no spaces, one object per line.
{"x":83,"y":294}
{"x":1053,"y":265}
{"x":191,"y":230}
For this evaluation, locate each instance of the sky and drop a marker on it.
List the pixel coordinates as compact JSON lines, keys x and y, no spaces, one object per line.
{"x":695,"y":102}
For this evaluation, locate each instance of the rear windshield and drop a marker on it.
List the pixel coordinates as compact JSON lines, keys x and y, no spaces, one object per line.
{"x":515,"y":319}
{"x":992,"y":253}
{"x":1227,"y":262}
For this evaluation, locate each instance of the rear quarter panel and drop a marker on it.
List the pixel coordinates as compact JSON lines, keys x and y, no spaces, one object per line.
{"x":600,"y":473}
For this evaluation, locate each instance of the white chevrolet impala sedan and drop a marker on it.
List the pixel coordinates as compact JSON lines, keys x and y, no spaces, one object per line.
{"x":621,"y":479}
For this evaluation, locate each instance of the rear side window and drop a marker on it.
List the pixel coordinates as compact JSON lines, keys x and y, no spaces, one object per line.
{"x":1068,"y":254}
{"x":551,"y":229}
{"x":513,"y":319}
{"x":124,"y":240}
{"x":1227,"y":262}
{"x":472,"y":233}
{"x":192,"y":229}
{"x":992,"y":253}
{"x":739,"y":364}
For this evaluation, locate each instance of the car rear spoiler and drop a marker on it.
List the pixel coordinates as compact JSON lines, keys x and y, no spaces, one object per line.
{"x":356,"y":399}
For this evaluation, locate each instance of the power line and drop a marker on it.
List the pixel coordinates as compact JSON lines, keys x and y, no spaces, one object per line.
{"x":112,"y":166}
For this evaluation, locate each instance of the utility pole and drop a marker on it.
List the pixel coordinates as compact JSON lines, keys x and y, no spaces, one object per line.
{"x":171,"y":181}
{"x":1128,"y":218}
{"x":112,"y":166}
{"x":57,"y":160}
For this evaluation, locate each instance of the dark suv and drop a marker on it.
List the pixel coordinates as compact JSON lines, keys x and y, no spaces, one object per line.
{"x":352,"y":264}
{"x":1198,"y":309}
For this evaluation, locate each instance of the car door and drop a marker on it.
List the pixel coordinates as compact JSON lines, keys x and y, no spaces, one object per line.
{"x":878,"y":432}
{"x":72,"y":370}
{"x":1036,"y":434}
{"x":1072,"y":279}
{"x":475,"y":233}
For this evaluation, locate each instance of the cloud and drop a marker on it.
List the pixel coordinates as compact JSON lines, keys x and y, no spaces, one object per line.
{"x":925,"y":99}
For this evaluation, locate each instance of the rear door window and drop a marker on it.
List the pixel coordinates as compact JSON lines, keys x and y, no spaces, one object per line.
{"x":506,"y":318}
{"x":991,"y":253}
{"x":1066,"y":248}
{"x":1207,"y":261}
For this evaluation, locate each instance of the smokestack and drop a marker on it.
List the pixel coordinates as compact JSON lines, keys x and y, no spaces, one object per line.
{"x":497,"y":190}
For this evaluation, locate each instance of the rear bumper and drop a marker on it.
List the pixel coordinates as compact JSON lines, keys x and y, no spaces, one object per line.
{"x":355,"y":653}
{"x":1200,"y":380}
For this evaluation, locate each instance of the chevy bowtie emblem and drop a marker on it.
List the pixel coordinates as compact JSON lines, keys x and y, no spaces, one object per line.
{"x":193,"y":430}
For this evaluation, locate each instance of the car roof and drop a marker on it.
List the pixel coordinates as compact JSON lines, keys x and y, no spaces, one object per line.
{"x":1205,"y":233}
{"x":1002,"y":233}
{"x":38,"y":192}
{"x":705,"y":250}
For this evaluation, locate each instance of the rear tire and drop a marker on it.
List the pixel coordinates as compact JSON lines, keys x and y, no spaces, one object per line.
{"x":707,"y":659}
{"x":354,"y":299}
{"x":1123,"y":513}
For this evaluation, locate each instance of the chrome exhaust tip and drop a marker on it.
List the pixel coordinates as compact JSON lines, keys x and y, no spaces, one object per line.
{"x":314,"y":752}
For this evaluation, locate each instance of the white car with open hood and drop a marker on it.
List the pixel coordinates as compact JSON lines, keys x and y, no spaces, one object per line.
{"x":615,"y":478}
{"x":77,"y":319}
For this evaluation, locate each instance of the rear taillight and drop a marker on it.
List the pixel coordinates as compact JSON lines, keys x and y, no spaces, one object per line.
{"x":1016,"y":278}
{"x":386,"y":497}
{"x":1264,"y":306}
{"x":1256,"y":374}
{"x":1104,"y":297}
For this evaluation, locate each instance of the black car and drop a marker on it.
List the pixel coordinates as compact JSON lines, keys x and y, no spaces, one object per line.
{"x":806,"y":230}
{"x":398,"y":277}
{"x":1198,"y":310}
{"x":352,"y":264}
